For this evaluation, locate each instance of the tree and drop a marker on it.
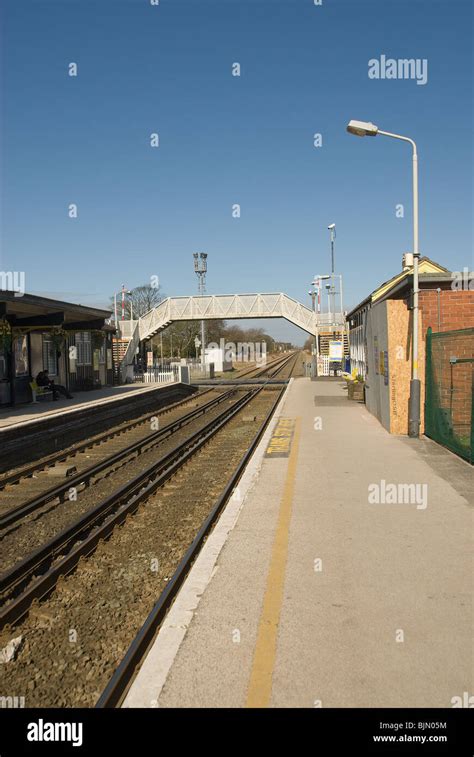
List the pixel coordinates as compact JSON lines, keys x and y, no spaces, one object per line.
{"x":178,"y":339}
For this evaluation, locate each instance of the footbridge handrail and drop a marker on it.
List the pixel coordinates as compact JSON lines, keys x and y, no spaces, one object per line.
{"x":228,"y":307}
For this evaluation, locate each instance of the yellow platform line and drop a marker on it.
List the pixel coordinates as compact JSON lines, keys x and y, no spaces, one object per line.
{"x":260,"y":685}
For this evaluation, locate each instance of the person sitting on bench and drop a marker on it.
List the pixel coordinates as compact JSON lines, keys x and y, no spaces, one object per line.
{"x":42,"y":379}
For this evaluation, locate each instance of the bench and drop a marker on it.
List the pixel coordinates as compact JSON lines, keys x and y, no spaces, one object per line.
{"x":40,"y":392}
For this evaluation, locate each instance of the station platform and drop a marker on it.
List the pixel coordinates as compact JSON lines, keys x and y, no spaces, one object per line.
{"x":313,"y":590}
{"x":32,"y":412}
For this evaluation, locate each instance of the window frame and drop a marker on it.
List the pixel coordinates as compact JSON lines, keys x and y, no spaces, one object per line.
{"x":49,"y":343}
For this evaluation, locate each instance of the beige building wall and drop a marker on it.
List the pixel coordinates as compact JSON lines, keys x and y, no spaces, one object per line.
{"x":377,"y":391}
{"x":389,"y":345}
{"x":400,"y":321}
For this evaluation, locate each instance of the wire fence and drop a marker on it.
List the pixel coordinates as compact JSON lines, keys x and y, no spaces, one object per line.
{"x":449,"y":405}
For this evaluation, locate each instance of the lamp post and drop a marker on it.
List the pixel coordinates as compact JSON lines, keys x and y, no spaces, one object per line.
{"x":367,"y":129}
{"x":317,"y":282}
{"x":123,"y":301}
{"x":328,"y":288}
{"x":312,"y":294}
{"x":332,"y":232}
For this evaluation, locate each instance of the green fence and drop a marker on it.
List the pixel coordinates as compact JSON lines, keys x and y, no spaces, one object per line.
{"x":449,"y":405}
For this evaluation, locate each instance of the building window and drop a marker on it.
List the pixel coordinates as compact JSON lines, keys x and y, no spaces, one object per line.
{"x":102,"y":352}
{"x":50,"y":357}
{"x":3,"y":365}
{"x":20,"y":351}
{"x":84,"y":348}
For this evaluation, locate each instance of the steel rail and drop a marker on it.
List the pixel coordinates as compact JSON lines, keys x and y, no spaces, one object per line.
{"x":117,"y":687}
{"x":56,"y":457}
{"x":126,"y":500}
{"x":265,"y":368}
{"x":13,"y":478}
{"x":84,"y":477}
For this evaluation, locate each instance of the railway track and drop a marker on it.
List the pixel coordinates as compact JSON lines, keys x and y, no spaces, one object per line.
{"x":55,"y":540}
{"x":60,"y":559}
{"x":105,"y":464}
{"x":105,"y":451}
{"x":53,"y":431}
{"x":271,"y":369}
{"x":22,"y":473}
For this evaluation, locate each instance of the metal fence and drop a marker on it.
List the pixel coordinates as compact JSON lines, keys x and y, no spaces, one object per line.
{"x":157,"y":374}
{"x":449,"y":406}
{"x":163,"y":373}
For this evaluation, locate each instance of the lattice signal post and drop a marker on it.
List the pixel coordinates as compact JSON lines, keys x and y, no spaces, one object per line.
{"x":200,"y":269}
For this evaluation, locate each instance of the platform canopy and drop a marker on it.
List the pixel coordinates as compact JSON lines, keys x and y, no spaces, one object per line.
{"x":29,"y":312}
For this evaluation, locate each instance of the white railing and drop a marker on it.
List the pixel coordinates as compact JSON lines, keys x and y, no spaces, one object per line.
{"x":233,"y":306}
{"x":225,"y":306}
{"x":125,"y":329}
{"x":161,"y":375}
{"x":323,"y":365}
{"x":330,"y":319}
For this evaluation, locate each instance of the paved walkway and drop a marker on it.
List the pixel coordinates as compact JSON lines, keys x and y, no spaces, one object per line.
{"x":47,"y":408}
{"x":320,"y":597}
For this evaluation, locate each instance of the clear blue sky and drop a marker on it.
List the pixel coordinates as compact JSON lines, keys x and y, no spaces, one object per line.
{"x":226,"y":140}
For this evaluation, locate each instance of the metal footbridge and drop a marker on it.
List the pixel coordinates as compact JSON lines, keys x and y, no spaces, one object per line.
{"x":228,"y":307}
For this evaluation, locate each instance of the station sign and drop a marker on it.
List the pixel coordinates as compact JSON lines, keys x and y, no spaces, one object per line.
{"x":335,"y":349}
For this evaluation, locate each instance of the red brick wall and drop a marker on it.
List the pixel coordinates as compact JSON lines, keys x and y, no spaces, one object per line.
{"x":456,"y":309}
{"x":454,"y":383}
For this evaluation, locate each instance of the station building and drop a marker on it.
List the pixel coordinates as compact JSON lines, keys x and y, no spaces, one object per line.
{"x":380,"y":331}
{"x":73,"y":342}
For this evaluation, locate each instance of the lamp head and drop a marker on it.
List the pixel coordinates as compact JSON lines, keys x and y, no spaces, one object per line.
{"x":362,"y":128}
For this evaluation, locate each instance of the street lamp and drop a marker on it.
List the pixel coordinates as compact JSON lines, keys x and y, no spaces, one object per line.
{"x":332,"y":231}
{"x":328,"y":288}
{"x":367,"y":129}
{"x":316,"y":283}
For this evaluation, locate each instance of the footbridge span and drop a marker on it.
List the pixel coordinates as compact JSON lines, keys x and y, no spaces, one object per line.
{"x":227,"y":307}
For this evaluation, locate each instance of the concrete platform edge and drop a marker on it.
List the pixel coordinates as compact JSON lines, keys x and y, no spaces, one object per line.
{"x":151,"y":678}
{"x":65,"y":411}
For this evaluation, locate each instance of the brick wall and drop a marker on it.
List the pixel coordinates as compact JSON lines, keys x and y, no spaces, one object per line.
{"x":453,"y":383}
{"x":456,"y":309}
{"x":456,"y":312}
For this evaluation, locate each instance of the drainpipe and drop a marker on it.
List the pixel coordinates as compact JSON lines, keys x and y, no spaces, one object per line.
{"x":438,"y":290}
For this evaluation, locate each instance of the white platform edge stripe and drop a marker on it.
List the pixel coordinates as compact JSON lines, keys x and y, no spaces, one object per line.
{"x":86,"y":404}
